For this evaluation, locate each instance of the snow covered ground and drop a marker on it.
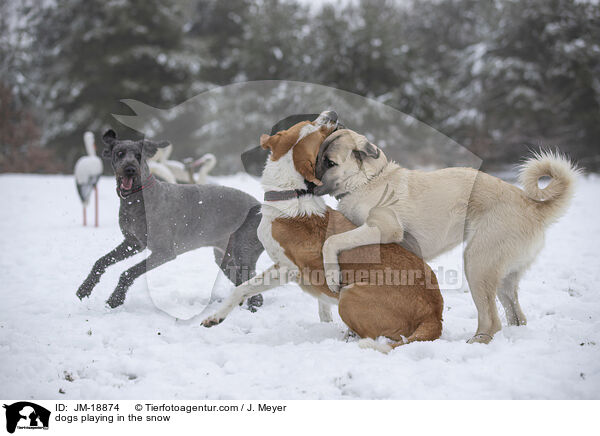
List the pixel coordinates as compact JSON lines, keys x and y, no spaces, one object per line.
{"x":53,"y":346}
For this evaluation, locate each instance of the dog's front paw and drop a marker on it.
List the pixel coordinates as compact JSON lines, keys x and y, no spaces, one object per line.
{"x":333,"y":278}
{"x":84,"y":291}
{"x":480,"y":338}
{"x":212,"y":321}
{"x":115,"y":300}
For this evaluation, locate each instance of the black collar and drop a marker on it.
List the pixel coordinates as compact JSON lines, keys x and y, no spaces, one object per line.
{"x":285,"y":195}
{"x":290,"y":194}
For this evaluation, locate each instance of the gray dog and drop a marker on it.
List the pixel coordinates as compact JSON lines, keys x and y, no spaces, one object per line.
{"x":172,"y":219}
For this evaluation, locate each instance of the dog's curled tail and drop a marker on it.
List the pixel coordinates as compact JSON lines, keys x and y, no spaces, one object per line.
{"x":383,"y":347}
{"x":556,"y":196}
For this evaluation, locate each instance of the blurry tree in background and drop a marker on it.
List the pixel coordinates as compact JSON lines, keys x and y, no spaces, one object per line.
{"x":19,"y":128}
{"x":498,"y":77}
{"x":90,"y":54}
{"x":216,"y":26}
{"x":528,"y":75}
{"x":19,"y":135}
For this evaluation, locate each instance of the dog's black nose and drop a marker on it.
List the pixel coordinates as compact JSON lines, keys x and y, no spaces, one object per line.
{"x":129,"y":171}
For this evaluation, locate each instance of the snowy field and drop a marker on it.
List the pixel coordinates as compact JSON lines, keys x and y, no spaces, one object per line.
{"x":53,"y":346}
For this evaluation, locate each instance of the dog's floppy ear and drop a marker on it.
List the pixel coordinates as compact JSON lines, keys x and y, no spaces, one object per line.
{"x":109,"y":138}
{"x":364,"y":149}
{"x":281,"y":144}
{"x":305,"y":155}
{"x":264,"y":138}
{"x":150,"y":147}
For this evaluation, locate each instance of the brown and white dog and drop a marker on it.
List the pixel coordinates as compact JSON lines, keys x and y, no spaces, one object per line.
{"x":293,"y":229}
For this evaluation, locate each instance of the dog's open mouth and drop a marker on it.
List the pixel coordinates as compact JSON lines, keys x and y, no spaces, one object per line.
{"x":126,"y":183}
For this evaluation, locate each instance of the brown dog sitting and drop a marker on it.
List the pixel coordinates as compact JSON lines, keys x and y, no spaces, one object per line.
{"x":387,"y":291}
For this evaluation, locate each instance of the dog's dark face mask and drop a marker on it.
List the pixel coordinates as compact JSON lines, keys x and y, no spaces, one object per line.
{"x":128,"y":159}
{"x":345,"y":159}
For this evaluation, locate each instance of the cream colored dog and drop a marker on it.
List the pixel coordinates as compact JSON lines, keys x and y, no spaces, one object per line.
{"x":502,"y":225}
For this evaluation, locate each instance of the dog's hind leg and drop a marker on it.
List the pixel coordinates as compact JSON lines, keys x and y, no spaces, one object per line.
{"x":483,"y":286}
{"x":238,"y":265}
{"x":219,"y":253}
{"x":428,"y":330}
{"x":508,"y":296}
{"x":242,"y":253}
{"x":252,"y":253}
{"x":124,"y":250}
{"x":482,"y":269}
{"x":127,"y":278}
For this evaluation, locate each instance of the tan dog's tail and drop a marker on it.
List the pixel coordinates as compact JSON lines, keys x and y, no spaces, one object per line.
{"x":554,"y":198}
{"x":384,"y":347}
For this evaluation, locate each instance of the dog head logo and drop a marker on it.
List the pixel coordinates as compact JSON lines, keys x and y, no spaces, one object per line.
{"x":26,"y":415}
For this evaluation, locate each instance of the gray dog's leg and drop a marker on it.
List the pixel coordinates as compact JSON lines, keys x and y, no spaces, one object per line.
{"x":127,"y":278}
{"x":242,"y":252}
{"x":125,"y":249}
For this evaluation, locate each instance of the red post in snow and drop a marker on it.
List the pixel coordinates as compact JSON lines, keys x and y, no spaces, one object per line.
{"x":96,"y":204}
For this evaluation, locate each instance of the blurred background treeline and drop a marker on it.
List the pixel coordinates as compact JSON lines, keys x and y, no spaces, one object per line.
{"x":498,"y":77}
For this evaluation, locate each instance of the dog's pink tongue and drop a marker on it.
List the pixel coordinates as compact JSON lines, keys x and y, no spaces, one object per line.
{"x":126,"y":183}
